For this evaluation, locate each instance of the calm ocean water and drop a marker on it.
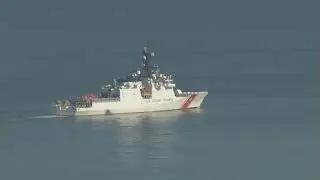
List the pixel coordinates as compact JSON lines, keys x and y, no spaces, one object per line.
{"x":259,"y":61}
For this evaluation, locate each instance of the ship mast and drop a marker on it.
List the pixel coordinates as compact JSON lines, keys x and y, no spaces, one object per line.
{"x":146,"y":59}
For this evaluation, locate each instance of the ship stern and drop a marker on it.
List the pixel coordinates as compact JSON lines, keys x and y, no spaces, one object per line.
{"x":63,"y":110}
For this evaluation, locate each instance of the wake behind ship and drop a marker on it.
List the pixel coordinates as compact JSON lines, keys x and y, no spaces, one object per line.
{"x":144,"y":90}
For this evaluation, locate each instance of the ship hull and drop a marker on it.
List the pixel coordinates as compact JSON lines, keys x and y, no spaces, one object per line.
{"x":188,"y":101}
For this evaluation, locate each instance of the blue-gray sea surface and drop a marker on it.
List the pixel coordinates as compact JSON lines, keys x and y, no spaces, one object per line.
{"x":258,"y":60}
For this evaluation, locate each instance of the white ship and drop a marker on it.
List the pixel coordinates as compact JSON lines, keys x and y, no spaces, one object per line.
{"x":144,"y":90}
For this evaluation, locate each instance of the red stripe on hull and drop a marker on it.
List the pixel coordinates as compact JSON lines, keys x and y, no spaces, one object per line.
{"x":188,"y":101}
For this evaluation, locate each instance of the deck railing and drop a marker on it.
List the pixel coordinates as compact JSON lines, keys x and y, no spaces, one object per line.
{"x":188,"y":93}
{"x":106,"y":100}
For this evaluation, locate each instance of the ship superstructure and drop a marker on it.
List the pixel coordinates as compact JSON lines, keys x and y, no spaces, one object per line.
{"x":145,"y":89}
